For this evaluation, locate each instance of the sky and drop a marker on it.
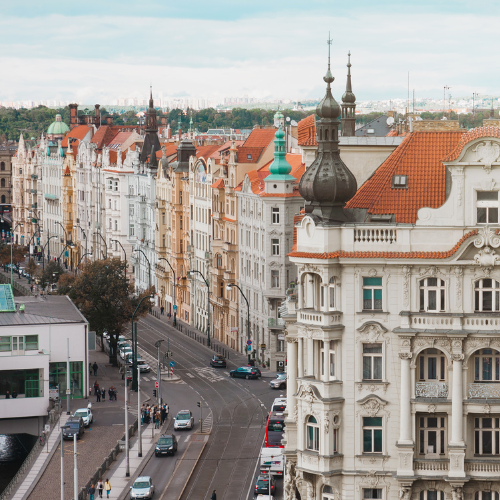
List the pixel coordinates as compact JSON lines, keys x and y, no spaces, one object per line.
{"x":97,"y":51}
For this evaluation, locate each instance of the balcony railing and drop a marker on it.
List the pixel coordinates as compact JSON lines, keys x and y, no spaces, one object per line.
{"x":276,"y":322}
{"x":377,"y":235}
{"x":484,"y":391}
{"x":478,"y":466}
{"x":431,"y":390}
{"x":320,"y":318}
{"x":434,"y":465}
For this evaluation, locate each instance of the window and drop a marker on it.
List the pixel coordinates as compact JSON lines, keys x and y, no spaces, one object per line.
{"x":275,"y":246}
{"x":486,"y":295}
{"x":31,"y":343}
{"x":432,"y":365}
{"x":249,"y":157}
{"x":327,"y":493}
{"x":372,"y":361}
{"x":275,"y":215}
{"x":487,"y":207}
{"x":432,"y":495}
{"x":372,"y":493}
{"x":2,"y":166}
{"x":372,"y":293}
{"x":275,"y":279}
{"x":486,"y":365}
{"x":116,"y":225}
{"x":432,"y":435}
{"x":219,"y":261}
{"x":331,"y":294}
{"x":180,"y":197}
{"x":131,"y":230}
{"x":281,"y":346}
{"x":432,"y":297}
{"x":180,"y":222}
{"x":330,"y":361}
{"x":2,"y":183}
{"x":487,"y":436}
{"x":486,"y":495}
{"x":400,"y":181}
{"x":312,"y":434}
{"x":372,"y":434}
{"x":5,"y":344}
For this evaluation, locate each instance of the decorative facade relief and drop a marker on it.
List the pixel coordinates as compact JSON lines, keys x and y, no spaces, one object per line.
{"x":487,"y":152}
{"x":458,"y":271}
{"x":486,"y":241}
{"x":406,"y":286}
{"x":371,"y":406}
{"x":372,"y":332}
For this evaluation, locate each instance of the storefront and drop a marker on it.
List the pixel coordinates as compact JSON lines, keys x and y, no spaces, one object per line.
{"x":57,"y":378}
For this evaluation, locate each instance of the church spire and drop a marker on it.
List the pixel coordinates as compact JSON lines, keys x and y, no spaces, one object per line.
{"x":151,"y":142}
{"x":348,"y":126}
{"x":280,"y":168}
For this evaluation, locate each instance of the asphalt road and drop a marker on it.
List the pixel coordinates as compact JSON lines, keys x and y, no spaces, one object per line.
{"x":236,"y":408}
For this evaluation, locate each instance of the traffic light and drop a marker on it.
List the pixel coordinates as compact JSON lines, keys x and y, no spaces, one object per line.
{"x":154,"y":393}
{"x":199,"y":404}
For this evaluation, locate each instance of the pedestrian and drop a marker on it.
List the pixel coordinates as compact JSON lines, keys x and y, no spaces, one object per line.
{"x":100,"y":487}
{"x":90,"y":368}
{"x":166,"y":410}
{"x":214,"y":495}
{"x":107,"y":487}
{"x":96,"y":386}
{"x":162,"y":310}
{"x":14,"y":394}
{"x":31,"y":288}
{"x":98,"y":396}
{"x":91,"y":492}
{"x":163,"y":413}
{"x":7,"y":395}
{"x":94,"y":367}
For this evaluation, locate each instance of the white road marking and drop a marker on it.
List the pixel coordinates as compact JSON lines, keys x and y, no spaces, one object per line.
{"x":209,"y":373}
{"x":153,"y":378}
{"x":145,"y":379}
{"x":190,"y":375}
{"x":187,"y":438}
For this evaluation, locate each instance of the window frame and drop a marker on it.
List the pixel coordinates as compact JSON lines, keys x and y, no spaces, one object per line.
{"x":441,"y":430}
{"x":275,"y":215}
{"x":275,"y":247}
{"x":370,"y":429}
{"x":487,"y":205}
{"x":377,"y":496}
{"x":424,"y":368}
{"x":400,"y":181}
{"x":30,"y":343}
{"x":480,"y":430}
{"x":331,"y":357}
{"x":275,"y":278}
{"x":425,"y":290}
{"x":479,"y":365}
{"x":312,"y":442}
{"x":479,"y":292}
{"x":372,"y":288}
{"x":4,"y":343}
{"x":372,"y":356}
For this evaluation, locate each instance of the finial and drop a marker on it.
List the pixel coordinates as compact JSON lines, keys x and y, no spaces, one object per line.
{"x":349,"y":61}
{"x":151,"y":92}
{"x":328,"y":78}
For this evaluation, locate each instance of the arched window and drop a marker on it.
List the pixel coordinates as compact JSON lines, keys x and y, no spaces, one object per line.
{"x":331,"y":294}
{"x":2,"y":183}
{"x":486,"y":295}
{"x":218,"y":261}
{"x":432,"y":365}
{"x":312,"y":434}
{"x":486,"y":365}
{"x":432,"y":296}
{"x":2,"y":166}
{"x":327,"y":493}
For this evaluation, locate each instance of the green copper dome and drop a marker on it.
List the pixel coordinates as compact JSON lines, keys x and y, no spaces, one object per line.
{"x":280,"y":169}
{"x":58,"y":127}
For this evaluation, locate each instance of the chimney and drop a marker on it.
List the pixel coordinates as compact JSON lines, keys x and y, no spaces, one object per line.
{"x":97,"y":120}
{"x":180,"y":134}
{"x":169,"y":132}
{"x":109,"y":120}
{"x":73,"y":116}
{"x":390,"y":113}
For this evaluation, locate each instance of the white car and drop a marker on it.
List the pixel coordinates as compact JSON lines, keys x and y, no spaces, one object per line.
{"x":86,"y":414}
{"x":184,"y":420}
{"x":124,"y":351}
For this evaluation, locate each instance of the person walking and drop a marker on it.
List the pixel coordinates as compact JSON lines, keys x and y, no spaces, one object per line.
{"x":91,"y":492}
{"x":107,"y":488}
{"x":98,"y":396}
{"x":162,"y":310}
{"x":94,"y":367}
{"x":214,"y":495}
{"x":100,"y":487}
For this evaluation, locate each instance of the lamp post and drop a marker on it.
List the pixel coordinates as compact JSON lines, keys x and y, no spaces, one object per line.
{"x":81,"y":258}
{"x":127,"y":461}
{"x":48,"y":253}
{"x":70,"y":246}
{"x":62,"y":460}
{"x":147,"y":260}
{"x":134,"y":340}
{"x":11,"y":245}
{"x":75,"y":470}
{"x":139,"y":424}
{"x":125,"y":253}
{"x":228,"y":287}
{"x":105,"y":244}
{"x":208,"y":302}
{"x":175,"y":304}
{"x":158,"y":370}
{"x":64,"y":230}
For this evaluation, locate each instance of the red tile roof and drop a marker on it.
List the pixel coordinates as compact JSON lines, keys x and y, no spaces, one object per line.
{"x":120,"y":138}
{"x":248,"y":155}
{"x":225,"y":147}
{"x":218,"y":184}
{"x":78,"y":133}
{"x":296,"y":219}
{"x":306,"y":130}
{"x":103,"y":136}
{"x":471,"y":135}
{"x":206,"y":151}
{"x":260,"y":138}
{"x":385,"y":255}
{"x":419,"y":157}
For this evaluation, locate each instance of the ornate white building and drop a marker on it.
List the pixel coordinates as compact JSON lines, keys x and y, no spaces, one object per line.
{"x":393,"y":331}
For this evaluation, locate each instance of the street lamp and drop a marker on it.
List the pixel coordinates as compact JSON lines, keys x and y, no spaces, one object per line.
{"x":105,"y":244}
{"x":124,"y":253}
{"x":134,"y":340}
{"x":11,"y":245}
{"x":81,"y":258}
{"x":158,"y":369}
{"x":62,"y":460}
{"x":70,"y":246}
{"x":208,"y":302}
{"x":229,"y":286}
{"x":64,"y":230}
{"x":147,"y":260}
{"x":48,"y":253}
{"x":175,"y":304}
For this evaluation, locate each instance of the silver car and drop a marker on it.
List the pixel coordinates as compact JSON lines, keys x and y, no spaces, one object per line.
{"x":142,"y":488}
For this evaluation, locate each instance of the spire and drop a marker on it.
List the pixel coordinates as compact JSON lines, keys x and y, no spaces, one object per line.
{"x":328,"y":107}
{"x":348,"y":126}
{"x":280,"y":168}
{"x":151,"y":141}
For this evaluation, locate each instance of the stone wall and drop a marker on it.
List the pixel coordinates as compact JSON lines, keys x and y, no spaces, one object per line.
{"x":435,"y":125}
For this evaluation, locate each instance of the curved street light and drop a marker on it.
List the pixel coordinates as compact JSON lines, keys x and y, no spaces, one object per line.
{"x":105,"y":244}
{"x":228,"y":287}
{"x":11,"y":245}
{"x":175,"y":303}
{"x":70,"y":246}
{"x":149,"y":263}
{"x":125,"y":253}
{"x":43,"y":250}
{"x":81,"y":258}
{"x":208,"y":302}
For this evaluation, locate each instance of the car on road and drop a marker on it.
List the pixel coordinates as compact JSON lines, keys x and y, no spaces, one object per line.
{"x":184,"y":420}
{"x":74,"y":425}
{"x":279,"y":404}
{"x":218,"y":361}
{"x":279,"y":382}
{"x":142,"y":488}
{"x":86,"y":414}
{"x":263,"y":483}
{"x":124,"y":351}
{"x":245,"y":372}
{"x":143,"y":366}
{"x":166,"y":445}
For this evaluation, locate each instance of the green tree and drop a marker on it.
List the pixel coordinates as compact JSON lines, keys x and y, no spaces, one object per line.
{"x":105,"y":297}
{"x":51,"y":274}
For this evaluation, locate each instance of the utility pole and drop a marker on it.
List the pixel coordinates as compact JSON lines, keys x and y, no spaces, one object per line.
{"x":139,"y":410}
{"x":68,"y":381}
{"x":127,"y":459}
{"x":75,"y":471}
{"x":158,"y":370}
{"x":62,"y":464}
{"x":444,"y":99}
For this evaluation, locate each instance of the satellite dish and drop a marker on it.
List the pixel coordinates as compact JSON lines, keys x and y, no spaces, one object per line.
{"x":390,"y":121}
{"x":287,"y":118}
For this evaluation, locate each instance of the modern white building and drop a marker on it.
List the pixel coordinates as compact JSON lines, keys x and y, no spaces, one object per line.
{"x":37,"y":336}
{"x":393,"y":339}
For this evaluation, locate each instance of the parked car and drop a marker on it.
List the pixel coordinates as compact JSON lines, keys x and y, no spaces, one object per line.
{"x":218,"y":361}
{"x":124,"y":351}
{"x":263,"y":483}
{"x":166,"y":445}
{"x":279,"y":382}
{"x":74,"y":425}
{"x":143,"y":366}
{"x":86,"y":414}
{"x":142,"y":488}
{"x":245,"y":372}
{"x":279,"y":404}
{"x":184,"y":420}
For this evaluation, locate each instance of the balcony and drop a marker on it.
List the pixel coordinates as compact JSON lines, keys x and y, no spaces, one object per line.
{"x":382,"y":235}
{"x":431,"y":467}
{"x":320,"y":318}
{"x":34,"y":205}
{"x":483,"y":391}
{"x":447,"y":321}
{"x":229,"y":275}
{"x":217,"y":215}
{"x":228,"y":247}
{"x":319,"y":463}
{"x":479,"y":467}
{"x":217,"y":271}
{"x":34,"y":176}
{"x":276,"y":323}
{"x":219,"y":301}
{"x":431,"y":389}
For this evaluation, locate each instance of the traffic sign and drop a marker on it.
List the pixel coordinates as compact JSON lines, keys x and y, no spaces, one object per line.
{"x":175,"y":308}
{"x":172,"y":363}
{"x":249,"y":348}
{"x":249,"y":342}
{"x":157,"y":385}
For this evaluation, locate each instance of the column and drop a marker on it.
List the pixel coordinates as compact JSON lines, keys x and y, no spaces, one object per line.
{"x":405,"y":436}
{"x":292,"y":355}
{"x":300,"y":295}
{"x":457,"y":412}
{"x":317,"y":360}
{"x":300,"y":366}
{"x":326,"y":360}
{"x":310,"y":357}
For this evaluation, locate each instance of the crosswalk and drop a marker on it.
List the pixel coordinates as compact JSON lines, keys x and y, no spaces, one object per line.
{"x":208,"y":422}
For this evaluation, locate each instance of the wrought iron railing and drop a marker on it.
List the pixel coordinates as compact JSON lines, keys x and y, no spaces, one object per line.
{"x":484,"y":391}
{"x":431,"y":390}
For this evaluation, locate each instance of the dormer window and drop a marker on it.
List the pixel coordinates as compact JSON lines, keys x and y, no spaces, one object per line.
{"x":400,"y":181}
{"x":249,"y":157}
{"x":487,"y":207}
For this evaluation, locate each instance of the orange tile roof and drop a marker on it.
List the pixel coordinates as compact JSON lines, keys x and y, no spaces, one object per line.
{"x":470,"y":136}
{"x":206,"y":151}
{"x":306,"y":130}
{"x":385,"y":255}
{"x":120,"y":138}
{"x":218,"y":184}
{"x":260,"y":138}
{"x":248,"y":155}
{"x":113,"y":157}
{"x":419,"y":157}
{"x":103,"y":136}
{"x":296,"y":218}
{"x":78,"y":133}
{"x":225,"y":147}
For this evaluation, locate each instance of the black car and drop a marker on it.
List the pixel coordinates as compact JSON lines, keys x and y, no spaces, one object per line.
{"x":166,"y":445}
{"x":262,"y":485}
{"x":245,"y":372}
{"x":74,"y":425}
{"x":218,"y":361}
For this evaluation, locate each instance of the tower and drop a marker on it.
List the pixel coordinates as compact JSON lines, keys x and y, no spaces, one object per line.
{"x":348,"y":125}
{"x":280,"y":180}
{"x":151,"y":142}
{"x":327,"y":185}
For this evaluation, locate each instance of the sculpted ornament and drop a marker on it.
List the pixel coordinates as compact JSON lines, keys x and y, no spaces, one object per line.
{"x":406,"y":285}
{"x":457,"y":492}
{"x":405,"y":355}
{"x":486,"y":257}
{"x":405,"y":493}
{"x":290,"y":482}
{"x":371,"y":406}
{"x":487,"y":152}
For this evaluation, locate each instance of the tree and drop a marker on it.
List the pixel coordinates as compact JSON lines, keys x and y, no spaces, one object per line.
{"x":105,"y":297}
{"x":18,"y":254}
{"x":32,"y":268}
{"x":51,"y":274}
{"x":65,"y":283}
